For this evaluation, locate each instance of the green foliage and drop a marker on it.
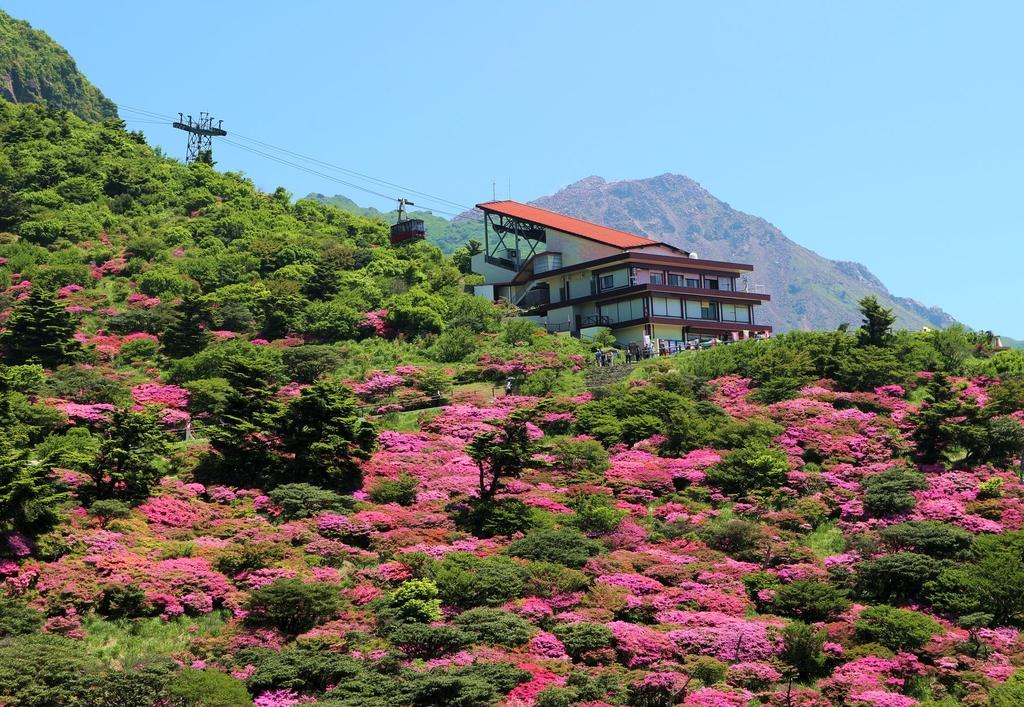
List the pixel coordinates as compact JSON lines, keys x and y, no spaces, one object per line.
{"x":595,"y":513}
{"x":897,"y":577}
{"x":889,"y":492}
{"x":876,"y":329}
{"x":927,"y":537}
{"x":16,"y":619}
{"x":582,"y":456}
{"x":305,"y":668}
{"x":29,"y":500}
{"x":39,"y":330}
{"x":130,"y":459}
{"x":44,"y":72}
{"x":582,"y":638}
{"x":207,"y":688}
{"x":465,"y":580}
{"x":738,"y":538}
{"x":494,"y":626}
{"x":753,"y":467}
{"x":305,"y":500}
{"x":400,"y":490}
{"x":489,"y":517}
{"x":809,"y":600}
{"x":187,"y":333}
{"x":990,"y":584}
{"x":416,"y":600}
{"x":803,"y":648}
{"x":563,"y":546}
{"x":896,"y":629}
{"x":420,"y":640}
{"x":501,"y":453}
{"x":42,"y":670}
{"x":291,"y":606}
{"x":326,"y":435}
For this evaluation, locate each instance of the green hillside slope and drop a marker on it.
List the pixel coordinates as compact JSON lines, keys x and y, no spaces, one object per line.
{"x":35,"y":69}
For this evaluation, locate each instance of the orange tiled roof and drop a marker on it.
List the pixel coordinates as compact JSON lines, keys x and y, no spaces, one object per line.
{"x":568,"y":224}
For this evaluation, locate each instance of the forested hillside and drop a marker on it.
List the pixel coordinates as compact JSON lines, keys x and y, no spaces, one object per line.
{"x":251,"y":454}
{"x":35,"y":69}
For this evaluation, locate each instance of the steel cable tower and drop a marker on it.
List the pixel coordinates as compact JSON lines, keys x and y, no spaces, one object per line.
{"x":200,"y":136}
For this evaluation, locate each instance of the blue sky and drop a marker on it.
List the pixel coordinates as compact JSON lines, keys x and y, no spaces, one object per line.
{"x":887,"y":133}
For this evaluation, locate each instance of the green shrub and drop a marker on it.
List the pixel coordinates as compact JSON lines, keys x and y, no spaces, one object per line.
{"x":555,"y":696}
{"x":207,"y":688}
{"x":244,"y":557}
{"x":896,"y":629}
{"x":737,"y":538}
{"x":43,"y":670}
{"x":753,"y":467}
{"x":596,"y":513}
{"x":581,"y":456}
{"x":16,"y":619}
{"x":110,"y":508}
{"x":545,"y":579}
{"x":494,"y":626}
{"x":465,"y":580}
{"x":896,"y":577}
{"x":416,"y":600}
{"x":582,"y":638}
{"x":122,"y":601}
{"x":305,"y":500}
{"x":563,"y":546}
{"x":301,"y":668}
{"x":889,"y":493}
{"x":401,"y":490}
{"x":809,"y":600}
{"x":475,"y":685}
{"x":928,"y":537}
{"x":427,"y":640}
{"x":291,"y":606}
{"x":501,"y":516}
{"x":803,"y":648}
{"x":1009,"y":693}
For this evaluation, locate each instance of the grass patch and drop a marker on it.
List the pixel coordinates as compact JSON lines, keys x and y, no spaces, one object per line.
{"x":825,"y":540}
{"x":124,"y":643}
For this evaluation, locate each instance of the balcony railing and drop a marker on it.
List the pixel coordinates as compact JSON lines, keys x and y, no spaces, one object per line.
{"x":535,"y":298}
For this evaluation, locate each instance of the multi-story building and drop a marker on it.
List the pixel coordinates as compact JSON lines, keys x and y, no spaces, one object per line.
{"x":574,"y":276}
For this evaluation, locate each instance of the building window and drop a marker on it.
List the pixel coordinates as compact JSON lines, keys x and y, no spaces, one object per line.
{"x":666,"y":307}
{"x":675,"y":280}
{"x":736,"y":313}
{"x":711,"y":283}
{"x":692,"y":282}
{"x":607,"y":282}
{"x":657,"y":278}
{"x":708,"y":310}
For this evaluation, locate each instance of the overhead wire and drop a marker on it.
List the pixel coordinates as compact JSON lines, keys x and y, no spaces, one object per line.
{"x":354,"y":173}
{"x":149,"y":117}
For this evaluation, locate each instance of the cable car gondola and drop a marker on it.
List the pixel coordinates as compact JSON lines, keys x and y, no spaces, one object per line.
{"x":407,"y":229}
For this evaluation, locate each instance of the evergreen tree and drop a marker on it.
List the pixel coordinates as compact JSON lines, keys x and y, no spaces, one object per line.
{"x":187,"y":334}
{"x":29,"y":500}
{"x":244,"y":438}
{"x":501,"y":453}
{"x":325,"y":280}
{"x":131,"y":456}
{"x":877,"y":327}
{"x":324,"y":432}
{"x":40,"y":330}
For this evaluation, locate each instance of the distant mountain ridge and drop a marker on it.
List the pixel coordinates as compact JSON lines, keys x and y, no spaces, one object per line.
{"x":35,"y":69}
{"x":808,"y":291}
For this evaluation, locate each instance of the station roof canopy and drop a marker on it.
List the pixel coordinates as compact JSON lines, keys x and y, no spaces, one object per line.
{"x":568,"y":224}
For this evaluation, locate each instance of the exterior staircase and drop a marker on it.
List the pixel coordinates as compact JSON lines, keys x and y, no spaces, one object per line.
{"x":600,"y":377}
